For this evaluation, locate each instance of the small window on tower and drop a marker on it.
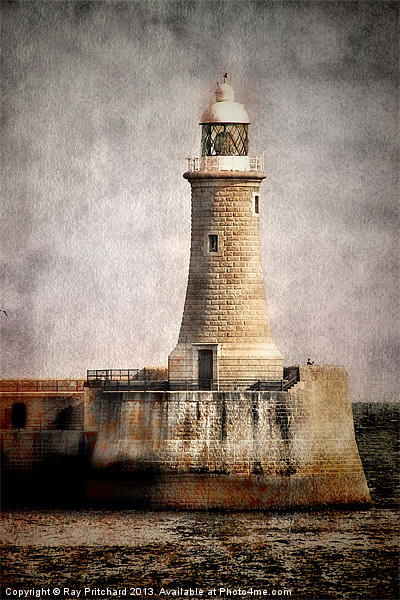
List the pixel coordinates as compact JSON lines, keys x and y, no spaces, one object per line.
{"x":213,"y":243}
{"x":256,"y":204}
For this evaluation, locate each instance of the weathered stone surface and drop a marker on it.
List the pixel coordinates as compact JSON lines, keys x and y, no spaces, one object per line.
{"x":225,"y":300}
{"x":35,"y":452}
{"x":238,"y":450}
{"x":50,"y":403}
{"x":53,"y":431}
{"x":226,"y":449}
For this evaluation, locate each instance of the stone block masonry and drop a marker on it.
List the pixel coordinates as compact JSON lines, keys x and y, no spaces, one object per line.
{"x":225,"y":305}
{"x":195,"y":449}
{"x":225,"y":297}
{"x":42,"y":404}
{"x":39,"y":452}
{"x":42,"y":425}
{"x":229,"y":450}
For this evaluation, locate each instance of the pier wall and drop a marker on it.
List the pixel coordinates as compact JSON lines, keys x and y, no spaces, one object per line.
{"x":42,"y":404}
{"x":230,"y":450}
{"x":188,"y":449}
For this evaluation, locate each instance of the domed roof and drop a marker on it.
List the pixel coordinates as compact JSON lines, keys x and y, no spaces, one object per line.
{"x":224,"y":92}
{"x":225,"y":110}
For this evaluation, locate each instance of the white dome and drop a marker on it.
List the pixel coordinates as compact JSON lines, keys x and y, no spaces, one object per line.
{"x":225,"y":110}
{"x":224,"y":92}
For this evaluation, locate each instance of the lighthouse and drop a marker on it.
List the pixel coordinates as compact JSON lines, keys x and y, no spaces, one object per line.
{"x":225,"y":339}
{"x":227,"y":431}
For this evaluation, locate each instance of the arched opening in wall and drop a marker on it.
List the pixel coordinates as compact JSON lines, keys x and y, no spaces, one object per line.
{"x":18,"y":415}
{"x":65,"y":418}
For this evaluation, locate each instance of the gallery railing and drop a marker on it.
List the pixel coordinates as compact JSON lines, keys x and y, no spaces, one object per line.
{"x":226,"y":163}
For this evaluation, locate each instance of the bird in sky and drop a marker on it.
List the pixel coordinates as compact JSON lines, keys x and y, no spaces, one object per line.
{"x":2,"y":310}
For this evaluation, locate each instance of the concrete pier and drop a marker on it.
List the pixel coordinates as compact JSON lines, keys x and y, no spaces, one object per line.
{"x":229,"y":450}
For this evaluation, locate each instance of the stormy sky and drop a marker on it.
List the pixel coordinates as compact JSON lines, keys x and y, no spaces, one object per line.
{"x":100,"y":104}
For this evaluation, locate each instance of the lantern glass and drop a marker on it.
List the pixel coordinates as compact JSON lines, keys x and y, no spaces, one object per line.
{"x":224,"y":139}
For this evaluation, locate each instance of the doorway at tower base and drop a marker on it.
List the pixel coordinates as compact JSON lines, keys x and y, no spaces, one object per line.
{"x":239,"y":450}
{"x":231,"y":365}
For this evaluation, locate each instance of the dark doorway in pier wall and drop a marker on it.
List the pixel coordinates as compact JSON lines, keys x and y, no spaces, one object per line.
{"x":18,"y":415}
{"x":65,"y":418}
{"x":205,"y":369}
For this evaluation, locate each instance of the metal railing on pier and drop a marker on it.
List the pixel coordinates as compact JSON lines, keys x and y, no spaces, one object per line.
{"x":103,"y":375}
{"x":118,"y":380}
{"x":41,"y":385}
{"x":125,"y":379}
{"x":250,"y":385}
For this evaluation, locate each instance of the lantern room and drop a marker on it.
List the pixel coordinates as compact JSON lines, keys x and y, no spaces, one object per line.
{"x":225,"y":125}
{"x":225,"y":137}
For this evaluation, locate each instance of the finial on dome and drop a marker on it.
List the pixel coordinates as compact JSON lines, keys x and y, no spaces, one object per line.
{"x":225,"y":77}
{"x":224,"y":92}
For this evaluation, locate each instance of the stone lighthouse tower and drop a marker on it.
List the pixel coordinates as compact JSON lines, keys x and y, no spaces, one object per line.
{"x":225,"y":339}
